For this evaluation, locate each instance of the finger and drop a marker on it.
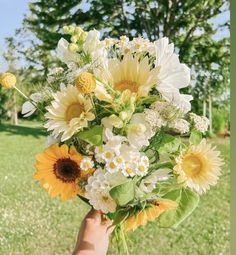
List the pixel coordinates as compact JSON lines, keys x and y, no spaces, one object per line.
{"x":95,"y":215}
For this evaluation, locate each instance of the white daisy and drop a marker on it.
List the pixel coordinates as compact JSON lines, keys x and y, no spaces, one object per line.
{"x":86,"y":164}
{"x":68,"y":113}
{"x":130,"y":75}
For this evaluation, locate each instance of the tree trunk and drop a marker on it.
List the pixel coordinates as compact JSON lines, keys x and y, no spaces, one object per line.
{"x":14,"y":112}
{"x":210,"y":113}
{"x":204,"y":108}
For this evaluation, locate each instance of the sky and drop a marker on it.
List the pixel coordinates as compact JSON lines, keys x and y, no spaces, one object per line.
{"x":12,"y":13}
{"x":11,"y":16}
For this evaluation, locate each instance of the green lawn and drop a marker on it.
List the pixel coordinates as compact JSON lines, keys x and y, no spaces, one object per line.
{"x":32,"y":223}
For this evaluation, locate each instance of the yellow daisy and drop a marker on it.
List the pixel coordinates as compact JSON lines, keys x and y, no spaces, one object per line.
{"x":59,"y":172}
{"x":199,"y":167}
{"x":68,"y":113}
{"x":148,"y":214}
{"x":129,"y":76}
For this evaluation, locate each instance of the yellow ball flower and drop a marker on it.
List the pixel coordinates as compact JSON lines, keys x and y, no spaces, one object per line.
{"x":85,"y":82}
{"x":8,"y":80}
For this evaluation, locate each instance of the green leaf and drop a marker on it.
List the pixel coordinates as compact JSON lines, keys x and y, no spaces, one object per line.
{"x":187,"y":202}
{"x":161,"y":139}
{"x":195,"y":137}
{"x":123,"y":193}
{"x":92,"y":135}
{"x":171,"y":147}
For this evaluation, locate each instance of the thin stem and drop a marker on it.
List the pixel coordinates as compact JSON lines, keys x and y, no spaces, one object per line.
{"x":21,"y":93}
{"x":28,"y":98}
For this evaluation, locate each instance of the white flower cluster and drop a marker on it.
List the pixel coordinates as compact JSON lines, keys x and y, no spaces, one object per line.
{"x":166,"y":114}
{"x":201,"y":123}
{"x":98,"y":187}
{"x":119,"y":156}
{"x":180,"y":125}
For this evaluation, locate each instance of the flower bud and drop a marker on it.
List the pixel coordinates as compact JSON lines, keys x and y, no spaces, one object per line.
{"x":123,"y":115}
{"x":78,"y":30}
{"x":74,"y":38}
{"x":73,"y":47}
{"x":66,"y":29}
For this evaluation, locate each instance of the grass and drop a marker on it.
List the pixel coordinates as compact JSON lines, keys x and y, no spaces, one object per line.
{"x":32,"y":223}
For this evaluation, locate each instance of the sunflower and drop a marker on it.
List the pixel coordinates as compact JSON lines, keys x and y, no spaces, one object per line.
{"x":59,"y":172}
{"x":128,"y":76}
{"x":148,"y":214}
{"x":68,"y":113}
{"x":199,"y":167}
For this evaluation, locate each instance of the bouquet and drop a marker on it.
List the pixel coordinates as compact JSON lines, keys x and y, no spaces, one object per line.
{"x":120,"y":134}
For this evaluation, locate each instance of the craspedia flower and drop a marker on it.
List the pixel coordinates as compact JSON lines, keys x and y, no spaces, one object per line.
{"x":199,"y":167}
{"x":59,"y":172}
{"x":8,"y":80}
{"x":155,"y":209}
{"x":85,"y":82}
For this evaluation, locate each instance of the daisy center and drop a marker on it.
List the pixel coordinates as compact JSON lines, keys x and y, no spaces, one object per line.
{"x":74,"y":111}
{"x":127,"y":84}
{"x":192,"y":165}
{"x":66,"y":170}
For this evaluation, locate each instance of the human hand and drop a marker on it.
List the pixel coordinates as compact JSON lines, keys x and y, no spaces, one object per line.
{"x":93,"y":238}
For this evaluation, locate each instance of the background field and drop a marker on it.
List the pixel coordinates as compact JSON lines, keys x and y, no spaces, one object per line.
{"x":32,"y":223}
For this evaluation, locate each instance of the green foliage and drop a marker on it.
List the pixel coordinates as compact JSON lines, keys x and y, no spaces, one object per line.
{"x":195,"y":137}
{"x":123,"y":193}
{"x":187,"y":202}
{"x":3,"y":100}
{"x":220,"y":121}
{"x":93,"y":135}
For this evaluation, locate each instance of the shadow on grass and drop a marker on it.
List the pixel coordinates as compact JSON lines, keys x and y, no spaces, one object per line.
{"x":22,"y":130}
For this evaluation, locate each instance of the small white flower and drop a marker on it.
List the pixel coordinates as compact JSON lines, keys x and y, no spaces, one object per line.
{"x":64,"y":54}
{"x":28,"y":108}
{"x":128,"y":170}
{"x":148,"y":184}
{"x":141,"y":169}
{"x":99,"y":154}
{"x":144,"y":160}
{"x":112,"y":167}
{"x":139,"y":131}
{"x":108,"y":155}
{"x":86,"y":164}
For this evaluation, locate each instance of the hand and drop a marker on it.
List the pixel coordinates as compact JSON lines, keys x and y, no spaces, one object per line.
{"x":93,"y":238}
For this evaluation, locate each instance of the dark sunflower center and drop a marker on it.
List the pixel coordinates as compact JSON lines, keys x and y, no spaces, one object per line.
{"x":66,"y":170}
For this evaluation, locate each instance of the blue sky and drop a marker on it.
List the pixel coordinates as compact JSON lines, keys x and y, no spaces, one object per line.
{"x":11,"y":16}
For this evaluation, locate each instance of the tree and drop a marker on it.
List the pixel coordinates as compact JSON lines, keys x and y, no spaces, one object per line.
{"x":188,"y":23}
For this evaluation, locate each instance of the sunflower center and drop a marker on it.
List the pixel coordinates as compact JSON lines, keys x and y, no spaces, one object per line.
{"x":127,"y":84}
{"x":66,"y":170}
{"x":192,"y":165}
{"x":74,"y":111}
